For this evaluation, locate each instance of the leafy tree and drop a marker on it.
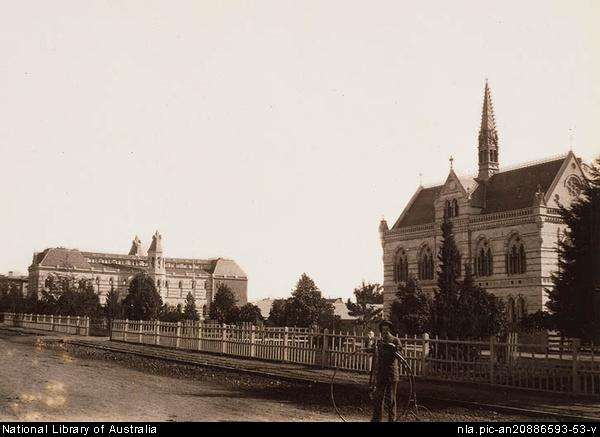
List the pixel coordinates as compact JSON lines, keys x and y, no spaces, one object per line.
{"x":250,"y":313}
{"x":277,"y":315}
{"x":367,"y":295}
{"x":11,"y":298}
{"x":445,"y":303}
{"x":574,"y":301}
{"x":223,"y":308}
{"x":78,"y":299}
{"x":307,"y":307}
{"x":113,"y":308}
{"x":410,"y":312}
{"x":143,"y":302}
{"x":169,"y":313}
{"x":190,"y":312}
{"x":479,"y":314}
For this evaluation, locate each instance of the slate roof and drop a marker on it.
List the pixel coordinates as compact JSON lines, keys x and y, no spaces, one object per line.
{"x":421,"y":211}
{"x":505,"y":191}
{"x":515,"y":189}
{"x":59,"y":256}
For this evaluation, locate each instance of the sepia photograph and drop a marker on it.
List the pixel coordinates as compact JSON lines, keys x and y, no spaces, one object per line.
{"x":273,"y":211}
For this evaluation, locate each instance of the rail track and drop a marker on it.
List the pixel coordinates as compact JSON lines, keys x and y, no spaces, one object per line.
{"x":305,"y":374}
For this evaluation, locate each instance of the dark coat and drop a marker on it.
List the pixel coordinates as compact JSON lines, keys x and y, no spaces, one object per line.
{"x":385,"y":362}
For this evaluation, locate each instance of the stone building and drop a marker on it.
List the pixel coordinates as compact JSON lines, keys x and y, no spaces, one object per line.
{"x":174,"y":277}
{"x":506,"y":224}
{"x":12,"y":280}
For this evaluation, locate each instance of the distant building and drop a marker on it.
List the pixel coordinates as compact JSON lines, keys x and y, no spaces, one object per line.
{"x":506,"y":224}
{"x":174,"y":277}
{"x":18,"y":281}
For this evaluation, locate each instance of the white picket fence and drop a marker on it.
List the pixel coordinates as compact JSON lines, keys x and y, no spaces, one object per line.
{"x":75,"y":325}
{"x":527,"y":366}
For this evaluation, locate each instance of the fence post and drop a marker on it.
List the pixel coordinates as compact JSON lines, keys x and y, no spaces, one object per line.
{"x":200,"y":325}
{"x":126,"y":329}
{"x":285,"y":343}
{"x":77,"y":329}
{"x":178,"y":336}
{"x":424,"y":354}
{"x":252,"y":341}
{"x":223,"y":338}
{"x":492,"y":360}
{"x":51,"y":323}
{"x":140,"y":330}
{"x":575,"y":375}
{"x":87,"y":326}
{"x":157,"y":332}
{"x":324,"y":360}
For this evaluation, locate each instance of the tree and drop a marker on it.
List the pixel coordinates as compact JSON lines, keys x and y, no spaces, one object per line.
{"x":411,"y":310}
{"x":446,"y":295}
{"x":143,"y":302}
{"x":169,"y":313}
{"x":307,"y":307}
{"x":223,"y":308}
{"x":278,"y":314}
{"x":574,"y":301}
{"x":11,"y":298}
{"x":250,"y":313}
{"x":367,"y":295}
{"x":479,"y":314}
{"x":189,"y":311}
{"x":113,"y":308}
{"x":78,"y":299}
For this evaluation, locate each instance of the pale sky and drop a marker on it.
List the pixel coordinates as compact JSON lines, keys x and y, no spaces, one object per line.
{"x":276,"y":133}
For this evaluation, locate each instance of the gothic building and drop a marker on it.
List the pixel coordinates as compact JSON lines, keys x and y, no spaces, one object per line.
{"x":174,"y":277}
{"x":506,"y":224}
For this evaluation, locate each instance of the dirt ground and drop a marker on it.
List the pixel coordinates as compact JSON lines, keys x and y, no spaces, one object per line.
{"x":44,"y":379}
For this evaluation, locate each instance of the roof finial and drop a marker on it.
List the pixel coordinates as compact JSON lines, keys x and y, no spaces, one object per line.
{"x":571,"y":136}
{"x":420,"y":179}
{"x":451,"y":162}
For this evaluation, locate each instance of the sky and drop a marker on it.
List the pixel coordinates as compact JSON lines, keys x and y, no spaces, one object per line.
{"x":277,"y":133}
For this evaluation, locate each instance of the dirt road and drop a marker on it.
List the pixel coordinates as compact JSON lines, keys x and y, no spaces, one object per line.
{"x":42,"y":381}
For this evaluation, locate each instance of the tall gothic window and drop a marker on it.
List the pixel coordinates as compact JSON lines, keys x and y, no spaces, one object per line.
{"x":516,"y":259}
{"x":484,"y":262}
{"x":521,"y":307}
{"x":401,"y":266}
{"x":451,"y":208}
{"x":425,"y":264}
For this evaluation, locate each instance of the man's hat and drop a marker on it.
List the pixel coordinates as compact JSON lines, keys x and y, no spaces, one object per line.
{"x":384,"y":323}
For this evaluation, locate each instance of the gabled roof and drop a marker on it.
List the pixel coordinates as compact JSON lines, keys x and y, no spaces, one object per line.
{"x":421,"y":209}
{"x":515,"y":189}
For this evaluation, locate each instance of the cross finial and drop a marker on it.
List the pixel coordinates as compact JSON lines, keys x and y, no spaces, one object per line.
{"x":420,"y":178}
{"x":451,"y":162}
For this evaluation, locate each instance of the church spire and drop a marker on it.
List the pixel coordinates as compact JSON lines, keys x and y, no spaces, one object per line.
{"x":488,"y":138}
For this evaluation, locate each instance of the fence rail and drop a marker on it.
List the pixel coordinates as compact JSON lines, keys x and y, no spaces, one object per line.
{"x":508,"y":363}
{"x":75,"y":325}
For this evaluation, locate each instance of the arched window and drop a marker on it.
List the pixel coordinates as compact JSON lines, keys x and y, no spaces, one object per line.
{"x":166,"y":284}
{"x":425,"y":264}
{"x":193,"y":284}
{"x":97,"y":280}
{"x":401,"y":266}
{"x":516,"y":258}
{"x":454,"y":208}
{"x":180,"y":285}
{"x":158,"y":283}
{"x":447,"y":209}
{"x":573,"y":185}
{"x":203,"y":310}
{"x":484,"y":263}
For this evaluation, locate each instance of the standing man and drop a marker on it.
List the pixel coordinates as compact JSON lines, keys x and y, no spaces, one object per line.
{"x":387,"y":373}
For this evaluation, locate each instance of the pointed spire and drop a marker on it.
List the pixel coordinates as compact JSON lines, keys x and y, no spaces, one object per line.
{"x":136,"y":247}
{"x":488,"y":138}
{"x":488,"y":121}
{"x":156,"y":245}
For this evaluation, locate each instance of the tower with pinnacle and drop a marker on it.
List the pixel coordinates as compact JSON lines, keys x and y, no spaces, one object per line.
{"x":488,"y":139}
{"x":156,"y":261}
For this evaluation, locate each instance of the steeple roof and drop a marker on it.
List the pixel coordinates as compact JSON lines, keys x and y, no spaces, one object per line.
{"x":156,"y":245}
{"x":488,"y":121}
